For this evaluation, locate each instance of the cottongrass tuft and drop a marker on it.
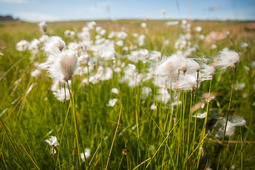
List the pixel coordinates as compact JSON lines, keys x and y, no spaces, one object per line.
{"x":54,"y":45}
{"x":163,"y":95}
{"x":200,"y":115}
{"x":146,"y":91}
{"x":69,"y":33}
{"x":22,"y":45}
{"x":244,"y":45}
{"x":206,"y":72}
{"x":231,"y":124}
{"x":143,"y":25}
{"x":220,"y":128}
{"x":66,"y":64}
{"x":227,"y":59}
{"x":185,"y":82}
{"x":171,"y":66}
{"x":36,"y":73}
{"x":237,"y":120}
{"x":115,"y":90}
{"x":53,"y":142}
{"x":153,"y":107}
{"x":61,"y":66}
{"x":85,"y":155}
{"x":112,"y":102}
{"x":43,"y":27}
{"x":62,"y":94}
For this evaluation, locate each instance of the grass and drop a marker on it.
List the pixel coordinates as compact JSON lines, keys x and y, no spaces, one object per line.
{"x":129,"y":135}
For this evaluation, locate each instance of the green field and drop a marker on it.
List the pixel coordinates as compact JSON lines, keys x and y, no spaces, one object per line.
{"x":130,"y":134}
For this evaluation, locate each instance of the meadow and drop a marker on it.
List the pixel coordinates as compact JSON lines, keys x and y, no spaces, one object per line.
{"x":127,"y":94}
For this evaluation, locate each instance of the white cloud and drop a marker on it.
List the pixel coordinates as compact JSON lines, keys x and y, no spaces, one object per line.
{"x":13,"y":1}
{"x":214,"y":8}
{"x":100,"y":7}
{"x":33,"y":16}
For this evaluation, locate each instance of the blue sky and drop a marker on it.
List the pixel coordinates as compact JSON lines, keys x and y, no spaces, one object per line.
{"x":52,"y":10}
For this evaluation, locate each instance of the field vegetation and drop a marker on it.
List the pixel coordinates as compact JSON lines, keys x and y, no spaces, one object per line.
{"x":127,"y":94}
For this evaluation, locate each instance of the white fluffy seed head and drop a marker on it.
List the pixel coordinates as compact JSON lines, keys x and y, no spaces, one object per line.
{"x":67,"y":63}
{"x":43,"y":27}
{"x":22,"y":45}
{"x":69,"y":33}
{"x":36,"y":73}
{"x":115,"y":90}
{"x":185,"y":82}
{"x":112,"y":102}
{"x":83,"y":59}
{"x":220,"y":128}
{"x":237,"y":120}
{"x":143,"y":25}
{"x":44,"y":38}
{"x":163,"y":95}
{"x":192,"y":65}
{"x":171,"y":66}
{"x":141,"y":40}
{"x":206,"y":72}
{"x":153,"y":107}
{"x":227,"y":59}
{"x":146,"y":91}
{"x":85,"y":155}
{"x":52,"y":141}
{"x":63,"y":67}
{"x":62,"y":94}
{"x":200,"y":115}
{"x":34,"y":45}
{"x":54,"y":45}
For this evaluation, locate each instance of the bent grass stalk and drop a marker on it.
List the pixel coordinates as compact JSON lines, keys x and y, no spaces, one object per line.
{"x":29,"y":156}
{"x":162,"y":134}
{"x":170,"y":153}
{"x":93,"y":155}
{"x":161,"y":144}
{"x":12,"y":144}
{"x":204,"y":126}
{"x":108,"y":159}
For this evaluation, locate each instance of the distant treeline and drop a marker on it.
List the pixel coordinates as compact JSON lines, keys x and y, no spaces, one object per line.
{"x":8,"y":18}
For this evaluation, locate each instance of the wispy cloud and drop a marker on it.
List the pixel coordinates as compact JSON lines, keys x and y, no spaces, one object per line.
{"x":100,"y":7}
{"x":13,"y":1}
{"x":214,"y":8}
{"x":34,"y":16}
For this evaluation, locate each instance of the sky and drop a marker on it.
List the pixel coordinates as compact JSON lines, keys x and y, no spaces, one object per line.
{"x":64,"y":10}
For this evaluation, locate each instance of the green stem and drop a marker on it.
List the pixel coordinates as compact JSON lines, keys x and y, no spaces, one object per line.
{"x":229,"y":105}
{"x":242,"y":156}
{"x":75,"y":124}
{"x":235,"y":151}
{"x":204,"y":126}
{"x":230,"y":101}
